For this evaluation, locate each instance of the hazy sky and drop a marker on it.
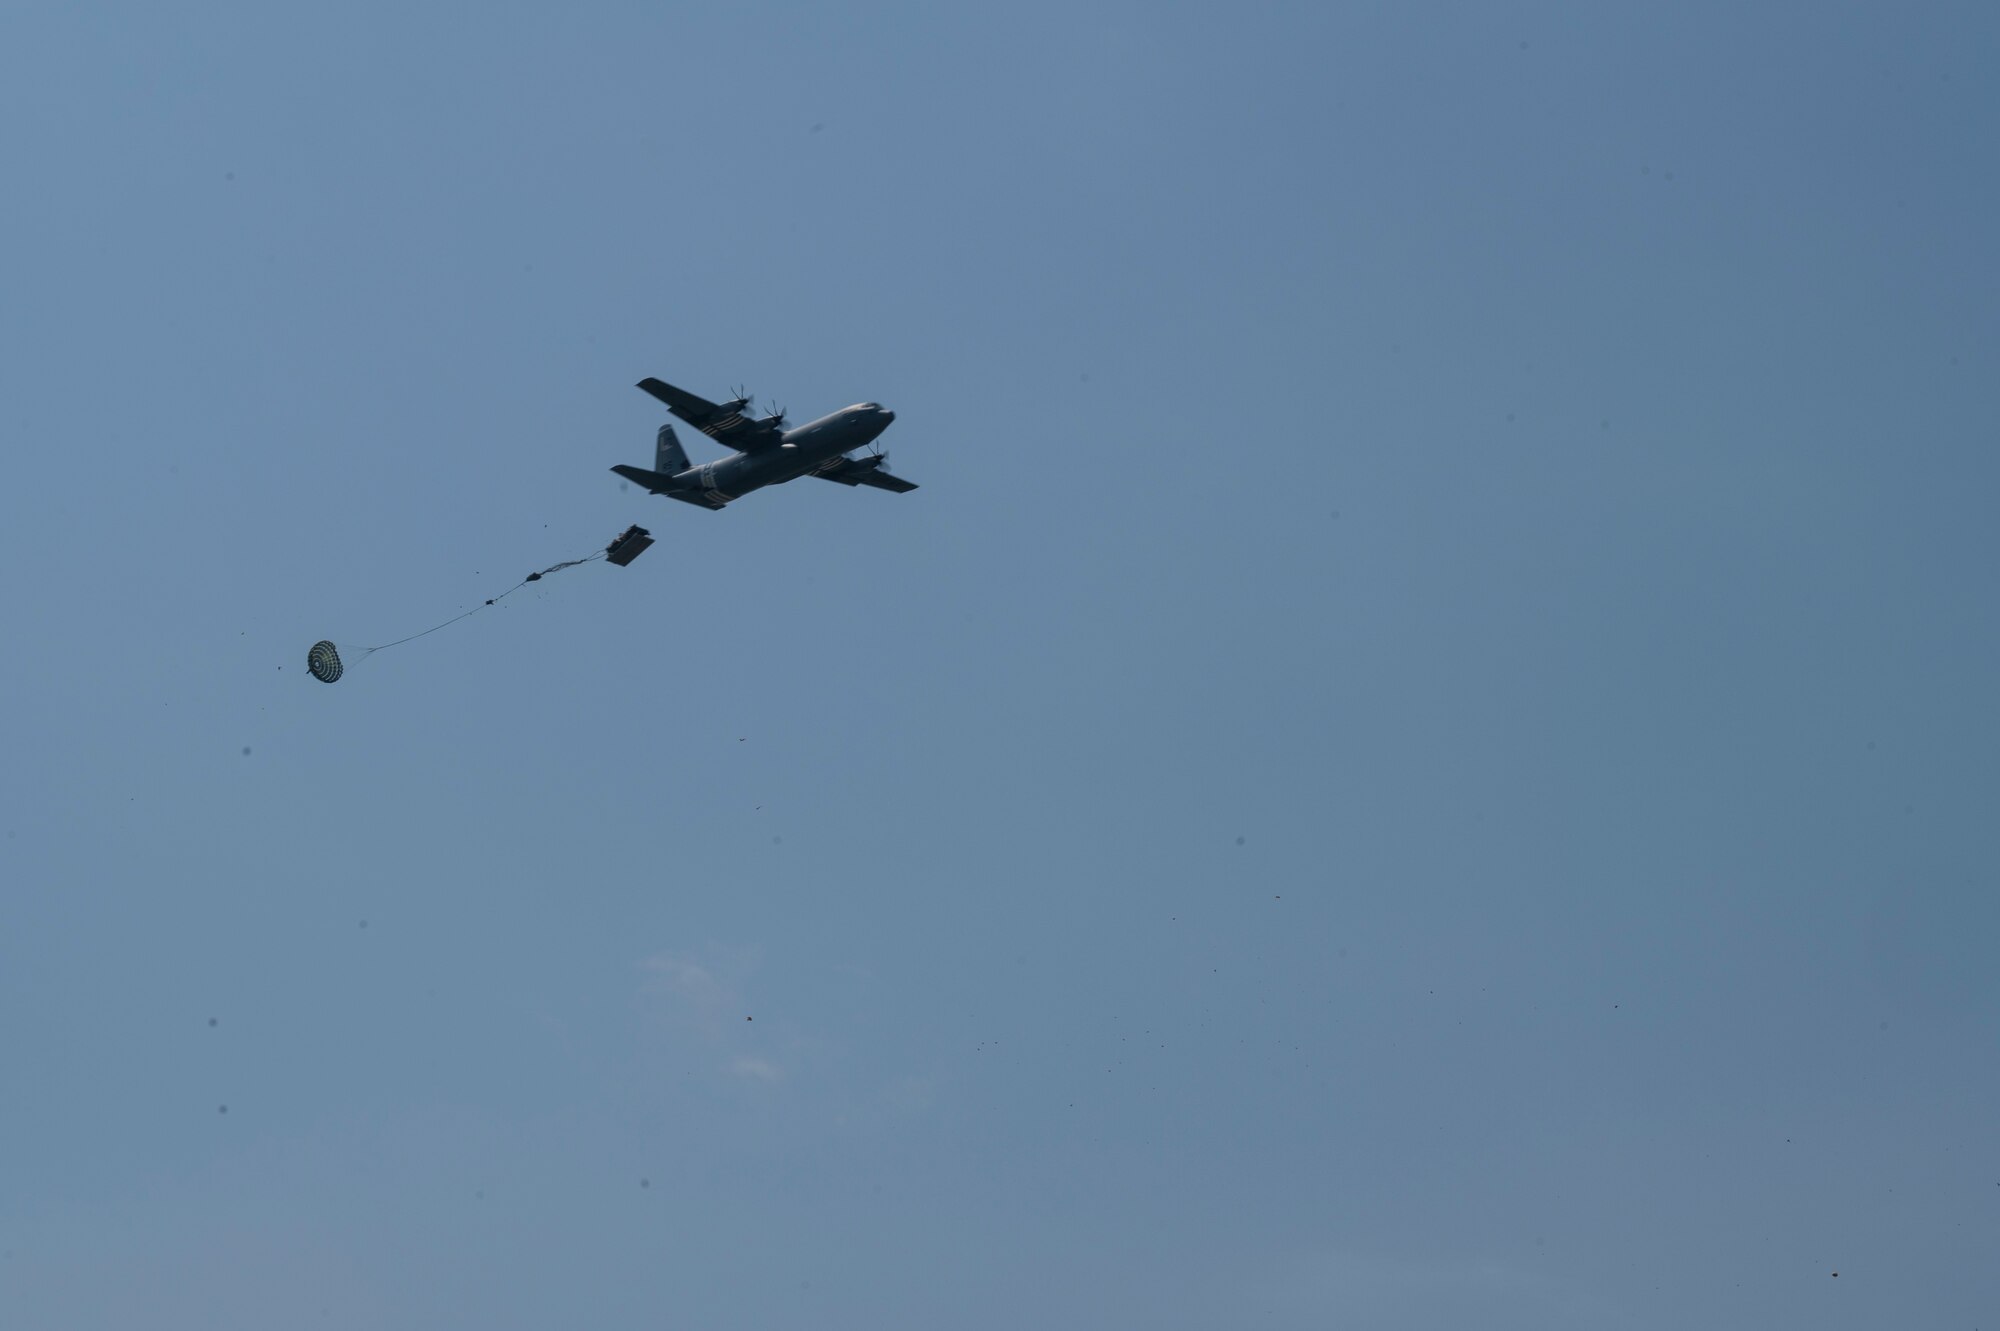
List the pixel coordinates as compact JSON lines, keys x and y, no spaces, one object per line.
{"x":1424,"y":756}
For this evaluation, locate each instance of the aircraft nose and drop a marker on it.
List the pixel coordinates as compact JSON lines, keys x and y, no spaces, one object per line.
{"x":887,"y":416}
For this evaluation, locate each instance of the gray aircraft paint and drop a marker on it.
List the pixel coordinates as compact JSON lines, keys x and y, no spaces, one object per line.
{"x":769,"y":453}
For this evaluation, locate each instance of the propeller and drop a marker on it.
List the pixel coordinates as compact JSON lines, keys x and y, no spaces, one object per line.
{"x":777,"y":415}
{"x":741,"y":400}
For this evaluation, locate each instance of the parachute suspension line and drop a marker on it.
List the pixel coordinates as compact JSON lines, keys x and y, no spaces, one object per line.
{"x":537,"y":577}
{"x":324,"y":662}
{"x":432,"y":629}
{"x":532,"y":577}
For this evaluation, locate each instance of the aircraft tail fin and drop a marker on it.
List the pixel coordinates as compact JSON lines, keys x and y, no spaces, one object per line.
{"x":669,"y":457}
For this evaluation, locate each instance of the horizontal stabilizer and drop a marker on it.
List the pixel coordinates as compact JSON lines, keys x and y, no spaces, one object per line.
{"x":657,"y":481}
{"x":661,"y":484}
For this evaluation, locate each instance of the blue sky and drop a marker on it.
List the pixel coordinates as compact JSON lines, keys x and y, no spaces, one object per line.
{"x":1422,"y":755}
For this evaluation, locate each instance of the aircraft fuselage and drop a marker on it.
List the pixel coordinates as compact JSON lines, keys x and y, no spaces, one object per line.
{"x":765,"y":452}
{"x":803,"y":449}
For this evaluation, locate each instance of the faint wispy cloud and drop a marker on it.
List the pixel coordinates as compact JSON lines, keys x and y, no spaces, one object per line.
{"x":751,"y":1068}
{"x":700,"y":998}
{"x":911,"y":1094}
{"x":686,"y":980}
{"x":701,"y":993}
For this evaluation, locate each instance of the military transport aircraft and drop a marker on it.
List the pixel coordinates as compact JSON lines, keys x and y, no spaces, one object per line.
{"x":767,"y":453}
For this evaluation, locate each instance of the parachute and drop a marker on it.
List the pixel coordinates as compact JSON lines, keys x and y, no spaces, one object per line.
{"x":323,"y":659}
{"x":324,"y":662}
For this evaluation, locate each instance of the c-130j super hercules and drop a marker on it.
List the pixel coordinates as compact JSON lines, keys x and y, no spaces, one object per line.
{"x":767,"y":453}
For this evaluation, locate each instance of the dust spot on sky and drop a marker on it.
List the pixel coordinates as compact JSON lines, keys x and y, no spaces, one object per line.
{"x":645,"y":1183}
{"x":246,"y":750}
{"x":211,"y":1021}
{"x":364,"y":924}
{"x":1239,"y":841}
{"x":222,"y":1109}
{"x":818,"y":125}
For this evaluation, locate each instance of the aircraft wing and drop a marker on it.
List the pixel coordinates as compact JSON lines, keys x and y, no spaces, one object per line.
{"x":864,"y":471}
{"x":723,"y":424}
